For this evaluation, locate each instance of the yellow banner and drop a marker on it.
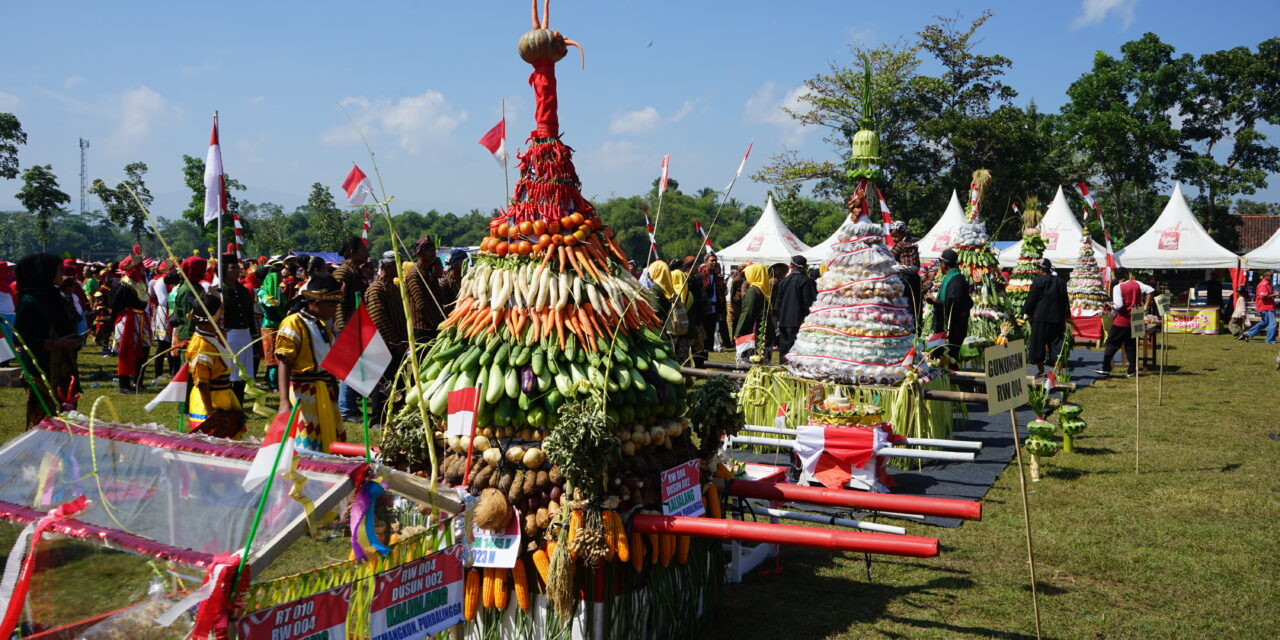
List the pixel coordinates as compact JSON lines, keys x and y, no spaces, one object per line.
{"x":1203,"y":321}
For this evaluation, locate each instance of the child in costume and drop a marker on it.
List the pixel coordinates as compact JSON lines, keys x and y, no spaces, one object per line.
{"x":213,"y":407}
{"x":302,"y":342}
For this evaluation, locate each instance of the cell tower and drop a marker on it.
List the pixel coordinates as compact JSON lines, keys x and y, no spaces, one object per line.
{"x":84,"y":174}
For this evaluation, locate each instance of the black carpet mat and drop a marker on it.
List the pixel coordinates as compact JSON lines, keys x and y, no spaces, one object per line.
{"x":963,"y":480}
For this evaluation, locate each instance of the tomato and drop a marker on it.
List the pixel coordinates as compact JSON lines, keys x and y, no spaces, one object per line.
{"x":524,"y":248}
{"x":571,"y":239}
{"x":539,"y":227}
{"x":581,"y":235}
{"x":503,"y":230}
{"x":553,"y":227}
{"x":577,"y":219}
{"x":544,"y":241}
{"x":567,"y":223}
{"x":484,"y":244}
{"x":501,"y":249}
{"x":526,"y":228}
{"x":557,"y":240}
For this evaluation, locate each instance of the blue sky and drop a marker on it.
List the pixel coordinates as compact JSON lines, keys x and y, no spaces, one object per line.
{"x":424,"y":80}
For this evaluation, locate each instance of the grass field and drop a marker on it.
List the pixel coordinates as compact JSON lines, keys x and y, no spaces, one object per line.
{"x":1185,"y":548}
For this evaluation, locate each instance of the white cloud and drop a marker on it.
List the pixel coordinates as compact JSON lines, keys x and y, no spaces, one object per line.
{"x":257,"y":101}
{"x":9,"y":102}
{"x":199,"y":69}
{"x":73,"y":82}
{"x":766,"y":107}
{"x":635,"y":123}
{"x":684,"y":110}
{"x":411,"y":122}
{"x":615,"y":155}
{"x":1095,"y":11}
{"x":140,"y":111}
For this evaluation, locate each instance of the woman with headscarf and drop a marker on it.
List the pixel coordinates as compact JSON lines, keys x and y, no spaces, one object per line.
{"x":668,"y":304}
{"x":46,"y":328}
{"x":133,"y":332}
{"x":302,"y":342}
{"x":212,"y":406}
{"x":752,"y":317}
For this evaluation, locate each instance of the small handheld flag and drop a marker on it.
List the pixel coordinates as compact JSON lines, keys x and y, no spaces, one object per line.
{"x":697,"y":226}
{"x":279,"y":434}
{"x":357,"y":186}
{"x":359,"y":356}
{"x":496,"y":142}
{"x":462,"y":411}
{"x":175,"y":391}
{"x":741,"y":165}
{"x":364,"y":233}
{"x":662,"y":185}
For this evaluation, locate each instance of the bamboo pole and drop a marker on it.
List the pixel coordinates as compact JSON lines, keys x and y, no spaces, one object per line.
{"x":1026,"y":517}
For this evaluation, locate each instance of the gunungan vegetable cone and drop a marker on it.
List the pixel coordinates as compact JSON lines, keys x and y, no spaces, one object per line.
{"x":1027,"y":267}
{"x":1085,"y":288}
{"x":548,"y":312}
{"x":859,"y":329}
{"x":992,"y":309}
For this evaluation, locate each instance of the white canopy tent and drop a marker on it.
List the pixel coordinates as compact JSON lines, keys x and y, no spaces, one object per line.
{"x":1266,"y":256}
{"x":1062,"y":235}
{"x":767,"y":242}
{"x":1176,"y":241}
{"x":820,"y":252}
{"x":942,"y":236}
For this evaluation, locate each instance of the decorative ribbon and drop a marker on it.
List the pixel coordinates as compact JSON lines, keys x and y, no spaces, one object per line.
{"x":853,"y":282}
{"x":818,"y":327}
{"x":22,"y":560}
{"x":213,"y":596}
{"x":862,"y":304}
{"x":363,"y":534}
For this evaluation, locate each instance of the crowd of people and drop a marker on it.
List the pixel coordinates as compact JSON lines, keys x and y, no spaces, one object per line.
{"x":233,"y":322}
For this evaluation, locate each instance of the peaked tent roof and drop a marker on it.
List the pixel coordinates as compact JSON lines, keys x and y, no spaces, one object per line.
{"x":1062,"y":235}
{"x":767,"y":242}
{"x":821,"y":251}
{"x":942,"y":235}
{"x":1266,"y":256}
{"x":1176,"y":241}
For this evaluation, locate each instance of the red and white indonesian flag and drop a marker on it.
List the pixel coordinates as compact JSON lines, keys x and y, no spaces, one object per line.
{"x":357,"y":186}
{"x":1050,"y":381}
{"x":364,"y":233}
{"x":836,"y":455}
{"x":496,"y":142}
{"x":780,"y":420}
{"x":175,"y":391}
{"x":359,"y":356}
{"x":279,"y":434}
{"x":741,"y":165}
{"x":744,"y":344}
{"x":886,"y":218}
{"x":215,"y":183}
{"x":462,"y":411}
{"x":662,"y":185}
{"x":706,"y":242}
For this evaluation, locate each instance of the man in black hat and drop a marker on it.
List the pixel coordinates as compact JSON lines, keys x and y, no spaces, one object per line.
{"x":952,"y":304}
{"x":451,"y":280}
{"x":1046,"y":309}
{"x":422,"y":282}
{"x":795,"y":294}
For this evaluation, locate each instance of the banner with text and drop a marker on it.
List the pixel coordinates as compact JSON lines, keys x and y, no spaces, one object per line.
{"x":322,"y":616}
{"x":682,"y":491}
{"x":418,"y":599}
{"x":1184,"y":320}
{"x":497,"y":549}
{"x":1006,"y":376}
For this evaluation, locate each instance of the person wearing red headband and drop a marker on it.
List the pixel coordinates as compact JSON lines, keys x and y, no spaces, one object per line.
{"x":132,"y":329}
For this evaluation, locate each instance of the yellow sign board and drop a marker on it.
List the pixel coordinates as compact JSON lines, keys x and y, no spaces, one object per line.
{"x":1191,"y":320}
{"x":1006,"y":376}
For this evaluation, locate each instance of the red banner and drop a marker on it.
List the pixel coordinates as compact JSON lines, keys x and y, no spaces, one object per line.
{"x":322,"y":616}
{"x":418,"y":599}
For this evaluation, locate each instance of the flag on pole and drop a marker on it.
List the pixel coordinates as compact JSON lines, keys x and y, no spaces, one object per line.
{"x":1015,"y":208}
{"x":279,"y":434}
{"x":496,"y":142}
{"x":653,"y":243}
{"x":357,"y":186}
{"x":462,"y":411}
{"x":364,"y":234}
{"x":1111,"y":257}
{"x":662,"y":186}
{"x":885,"y":217}
{"x":215,"y":183}
{"x":175,"y":391}
{"x":239,"y":232}
{"x":703,"y":232}
{"x":741,"y":165}
{"x":1050,"y":381}
{"x":359,"y":356}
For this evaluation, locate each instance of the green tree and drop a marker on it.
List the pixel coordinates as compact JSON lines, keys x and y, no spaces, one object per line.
{"x":122,"y":207}
{"x":1120,"y":118}
{"x":42,"y":197}
{"x":193,"y":177}
{"x":322,"y":214}
{"x":11,"y":135}
{"x":1232,"y":93}
{"x":1246,"y":207}
{"x":270,"y":227}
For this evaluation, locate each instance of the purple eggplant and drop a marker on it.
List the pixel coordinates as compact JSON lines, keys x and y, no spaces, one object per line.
{"x":528,"y":381}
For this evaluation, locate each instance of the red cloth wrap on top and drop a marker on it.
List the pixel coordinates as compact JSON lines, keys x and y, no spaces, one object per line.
{"x":543,"y":81}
